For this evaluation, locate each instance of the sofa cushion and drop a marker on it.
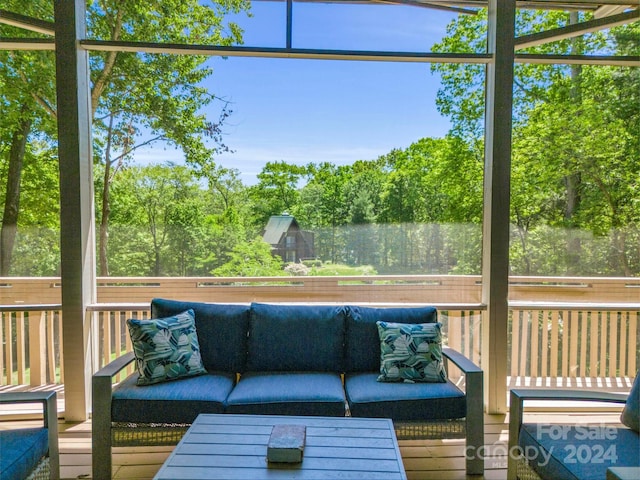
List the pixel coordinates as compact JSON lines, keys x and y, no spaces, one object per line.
{"x":631,"y":414}
{"x":403,"y":401}
{"x":296,"y":338}
{"x":362,"y":350}
{"x":222,"y":331}
{"x":166,"y":348}
{"x":581,"y":452}
{"x":288,"y":393}
{"x":170,"y":402}
{"x":411,"y":352}
{"x":21,"y":451}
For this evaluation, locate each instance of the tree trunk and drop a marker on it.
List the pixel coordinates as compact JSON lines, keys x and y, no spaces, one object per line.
{"x":104,"y":222}
{"x":9,"y":226}
{"x":573,"y":179}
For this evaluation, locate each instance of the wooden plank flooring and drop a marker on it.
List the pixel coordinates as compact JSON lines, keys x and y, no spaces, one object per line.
{"x":423,"y":459}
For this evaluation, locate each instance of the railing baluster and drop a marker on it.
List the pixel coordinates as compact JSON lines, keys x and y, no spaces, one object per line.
{"x":524,"y":344}
{"x":8,"y":351}
{"x":554,"y":344}
{"x":593,"y":344}
{"x":37,"y":347}
{"x":534,"y":371}
{"x":21,"y":346}
{"x":515,"y":342}
{"x":602,"y":343}
{"x":51,"y":351}
{"x":624,"y":335}
{"x":572,"y":334}
{"x":544,"y":343}
{"x":476,"y":319}
{"x":60,"y":362}
{"x":633,"y":343}
{"x":613,"y":343}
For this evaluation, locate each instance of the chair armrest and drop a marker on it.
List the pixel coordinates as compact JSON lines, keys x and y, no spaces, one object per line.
{"x":101,"y":383}
{"x":459,"y":360}
{"x":48,"y":400}
{"x":474,"y":391}
{"x":520,"y":395}
{"x":115,"y":366}
{"x":101,"y":387}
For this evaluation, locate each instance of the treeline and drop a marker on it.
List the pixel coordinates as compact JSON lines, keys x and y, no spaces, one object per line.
{"x":575,"y":196}
{"x":413,"y":211}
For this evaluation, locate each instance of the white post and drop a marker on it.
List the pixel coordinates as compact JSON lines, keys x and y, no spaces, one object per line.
{"x":77,"y":244}
{"x":495,"y":251}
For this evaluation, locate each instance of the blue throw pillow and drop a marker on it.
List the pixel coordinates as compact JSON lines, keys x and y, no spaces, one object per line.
{"x":166,"y":348}
{"x":631,"y":413}
{"x":411,"y":352}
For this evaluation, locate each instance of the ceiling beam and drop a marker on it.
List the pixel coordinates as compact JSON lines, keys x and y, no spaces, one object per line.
{"x":27,"y":44}
{"x":576,"y":30}
{"x":27,"y":23}
{"x":607,"y":10}
{"x":318,"y":54}
{"x":604,"y":60}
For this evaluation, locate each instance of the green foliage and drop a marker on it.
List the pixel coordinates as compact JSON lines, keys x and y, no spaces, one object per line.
{"x":251,"y":259}
{"x":575,"y":195}
{"x":338,"y":269}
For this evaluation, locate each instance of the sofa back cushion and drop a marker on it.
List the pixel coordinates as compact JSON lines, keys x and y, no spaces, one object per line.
{"x":362,"y":350}
{"x":296,"y":338}
{"x":222,"y":331}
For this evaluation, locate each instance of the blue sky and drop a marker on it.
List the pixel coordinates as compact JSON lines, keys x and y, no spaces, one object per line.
{"x":303,"y":111}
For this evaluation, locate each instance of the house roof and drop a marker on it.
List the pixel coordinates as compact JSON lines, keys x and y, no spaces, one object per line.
{"x":276,"y":227}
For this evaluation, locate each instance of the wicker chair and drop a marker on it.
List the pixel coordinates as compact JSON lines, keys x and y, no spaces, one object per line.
{"x":31,"y":453}
{"x":540,"y":451}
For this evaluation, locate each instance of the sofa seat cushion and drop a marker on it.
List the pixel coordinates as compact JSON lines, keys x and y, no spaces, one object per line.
{"x":288,"y":393}
{"x":403,"y":401}
{"x":362,"y":347}
{"x":578,"y":452}
{"x":179,"y":401}
{"x":21,"y":451}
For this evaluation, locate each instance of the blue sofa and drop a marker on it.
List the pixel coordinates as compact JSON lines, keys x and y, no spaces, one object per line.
{"x":574,"y":451}
{"x":273,"y":359}
{"x":31,"y":452}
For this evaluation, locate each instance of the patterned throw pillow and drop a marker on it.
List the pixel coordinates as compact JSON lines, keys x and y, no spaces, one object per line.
{"x":166,"y":348}
{"x":411,"y":352}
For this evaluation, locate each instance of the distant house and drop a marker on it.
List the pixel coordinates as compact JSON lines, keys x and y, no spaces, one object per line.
{"x":287,"y":240}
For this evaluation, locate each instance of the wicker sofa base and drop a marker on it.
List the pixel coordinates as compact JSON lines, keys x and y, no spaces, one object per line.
{"x":146,"y":434}
{"x":524,"y":470}
{"x":42,"y":471}
{"x":450,"y":429}
{"x":161,"y":434}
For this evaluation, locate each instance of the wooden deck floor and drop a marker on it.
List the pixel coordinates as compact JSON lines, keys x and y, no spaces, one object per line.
{"x":423,"y":459}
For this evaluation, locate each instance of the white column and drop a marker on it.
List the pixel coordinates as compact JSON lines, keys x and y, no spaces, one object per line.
{"x":77,"y":244}
{"x":495,"y":251}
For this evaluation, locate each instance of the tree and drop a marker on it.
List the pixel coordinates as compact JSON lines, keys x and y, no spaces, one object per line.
{"x":574,"y":155}
{"x":27,"y":90}
{"x":251,"y":259}
{"x":277,"y":190}
{"x":138,"y":99}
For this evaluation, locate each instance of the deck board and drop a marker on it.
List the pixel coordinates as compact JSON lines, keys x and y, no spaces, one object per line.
{"x":422,"y":459}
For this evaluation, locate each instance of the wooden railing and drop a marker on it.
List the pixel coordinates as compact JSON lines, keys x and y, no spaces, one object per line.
{"x":573,"y":333}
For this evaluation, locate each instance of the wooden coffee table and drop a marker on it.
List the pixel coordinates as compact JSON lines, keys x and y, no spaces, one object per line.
{"x":235,"y":447}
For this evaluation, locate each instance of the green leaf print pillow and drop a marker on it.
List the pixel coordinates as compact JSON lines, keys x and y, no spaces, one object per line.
{"x":411,"y":352}
{"x":166,"y":348}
